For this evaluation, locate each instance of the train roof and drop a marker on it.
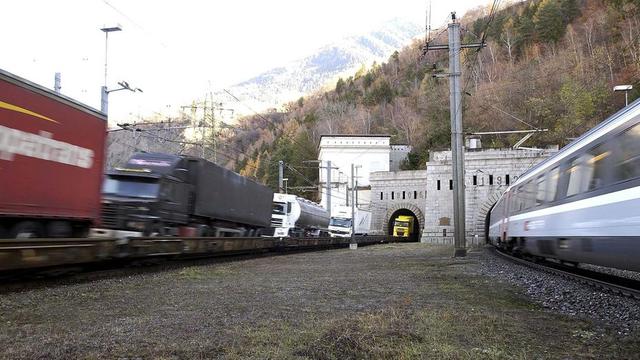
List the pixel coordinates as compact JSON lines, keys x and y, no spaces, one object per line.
{"x":609,"y":124}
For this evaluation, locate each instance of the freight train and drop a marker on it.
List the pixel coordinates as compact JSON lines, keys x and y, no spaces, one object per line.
{"x":581,"y":205}
{"x":154,"y":206}
{"x":51,"y":161}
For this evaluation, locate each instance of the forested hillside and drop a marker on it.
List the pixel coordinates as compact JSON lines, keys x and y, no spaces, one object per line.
{"x":550,"y":63}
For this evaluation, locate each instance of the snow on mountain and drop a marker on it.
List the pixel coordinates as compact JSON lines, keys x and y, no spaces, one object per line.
{"x":299,"y":78}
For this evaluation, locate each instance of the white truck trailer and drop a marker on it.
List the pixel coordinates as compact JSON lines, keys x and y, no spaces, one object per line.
{"x":340,"y":223}
{"x":294,"y":216}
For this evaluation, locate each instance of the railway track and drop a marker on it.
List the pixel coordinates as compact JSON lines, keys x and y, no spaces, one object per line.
{"x":21,"y":256}
{"x":615,"y":284}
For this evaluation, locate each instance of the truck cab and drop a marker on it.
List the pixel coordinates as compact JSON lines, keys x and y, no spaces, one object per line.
{"x":150,"y":195}
{"x":402,"y":226}
{"x":341,"y":225}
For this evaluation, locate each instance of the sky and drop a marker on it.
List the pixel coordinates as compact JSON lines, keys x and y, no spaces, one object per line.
{"x":177,"y":51}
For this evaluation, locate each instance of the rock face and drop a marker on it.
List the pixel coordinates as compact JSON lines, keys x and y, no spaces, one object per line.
{"x":299,"y":78}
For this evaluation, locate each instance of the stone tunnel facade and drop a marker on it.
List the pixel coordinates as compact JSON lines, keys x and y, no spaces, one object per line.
{"x":428,"y":194}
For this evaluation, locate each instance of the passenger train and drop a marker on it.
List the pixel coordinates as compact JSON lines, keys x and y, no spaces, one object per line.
{"x":581,"y":205}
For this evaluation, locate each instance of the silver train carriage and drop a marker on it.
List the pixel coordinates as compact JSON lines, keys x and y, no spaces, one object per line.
{"x":581,"y":205}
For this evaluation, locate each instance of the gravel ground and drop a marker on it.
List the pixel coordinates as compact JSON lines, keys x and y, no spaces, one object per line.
{"x":395,"y":301}
{"x":569,"y":297}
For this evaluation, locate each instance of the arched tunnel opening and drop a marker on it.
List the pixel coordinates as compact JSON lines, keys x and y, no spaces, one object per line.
{"x":398,"y":221}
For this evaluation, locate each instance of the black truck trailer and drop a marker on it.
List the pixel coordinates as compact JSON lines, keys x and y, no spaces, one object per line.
{"x":161,"y":194}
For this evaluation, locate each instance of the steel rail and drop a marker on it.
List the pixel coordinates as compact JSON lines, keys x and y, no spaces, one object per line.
{"x":615,"y":284}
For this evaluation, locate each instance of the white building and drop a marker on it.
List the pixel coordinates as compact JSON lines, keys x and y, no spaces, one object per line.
{"x":398,"y":154}
{"x":369,"y":153}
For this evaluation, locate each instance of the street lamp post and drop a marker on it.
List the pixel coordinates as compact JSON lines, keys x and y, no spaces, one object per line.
{"x":104,"y":103}
{"x":626,"y":89}
{"x":105,"y":94}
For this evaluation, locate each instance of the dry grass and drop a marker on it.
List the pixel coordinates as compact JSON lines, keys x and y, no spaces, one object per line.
{"x":401,"y":301}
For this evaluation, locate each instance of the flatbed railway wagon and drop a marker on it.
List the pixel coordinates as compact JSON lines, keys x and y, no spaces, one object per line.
{"x":51,"y":161}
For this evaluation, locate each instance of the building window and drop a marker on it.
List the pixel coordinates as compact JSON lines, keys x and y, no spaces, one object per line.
{"x":438,"y":184}
{"x":490,"y":179}
{"x":403,"y":195}
{"x":415,"y":194}
{"x":506,"y":179}
{"x":392,"y":196}
{"x":381,"y":196}
{"x":475,"y":179}
{"x":450,"y":184}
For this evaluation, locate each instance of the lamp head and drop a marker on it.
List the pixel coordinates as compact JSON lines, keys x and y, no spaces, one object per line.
{"x":623,"y":88}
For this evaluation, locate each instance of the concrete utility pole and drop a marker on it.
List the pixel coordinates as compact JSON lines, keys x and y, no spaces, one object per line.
{"x":353,"y":208}
{"x":57,"y":83}
{"x":104,"y":102}
{"x":355,"y":198}
{"x":280,"y":176}
{"x":457,"y":142}
{"x":328,"y":186}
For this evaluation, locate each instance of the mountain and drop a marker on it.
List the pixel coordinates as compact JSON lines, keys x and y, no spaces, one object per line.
{"x":552,"y":63}
{"x":299,"y":78}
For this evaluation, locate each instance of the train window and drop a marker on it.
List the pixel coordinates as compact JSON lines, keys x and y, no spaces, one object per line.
{"x":520,"y":201}
{"x":552,"y":187}
{"x":515,"y":200}
{"x":540,"y":193}
{"x":530,"y":190}
{"x":574,"y":179}
{"x":627,"y":165}
{"x":596,"y":162}
{"x":580,"y":174}
{"x":522,"y":197}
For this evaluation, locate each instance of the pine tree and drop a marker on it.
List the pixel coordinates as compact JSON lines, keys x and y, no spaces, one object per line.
{"x":549,"y":22}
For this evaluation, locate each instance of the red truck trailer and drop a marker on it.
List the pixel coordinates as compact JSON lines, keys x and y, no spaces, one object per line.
{"x":51,"y":161}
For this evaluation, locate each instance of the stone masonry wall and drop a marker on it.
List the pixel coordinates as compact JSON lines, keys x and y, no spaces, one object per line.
{"x":394,"y":190}
{"x":487,"y":175}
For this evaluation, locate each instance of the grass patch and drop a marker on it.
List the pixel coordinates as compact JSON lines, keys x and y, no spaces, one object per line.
{"x":448,"y":315}
{"x":431,"y":333}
